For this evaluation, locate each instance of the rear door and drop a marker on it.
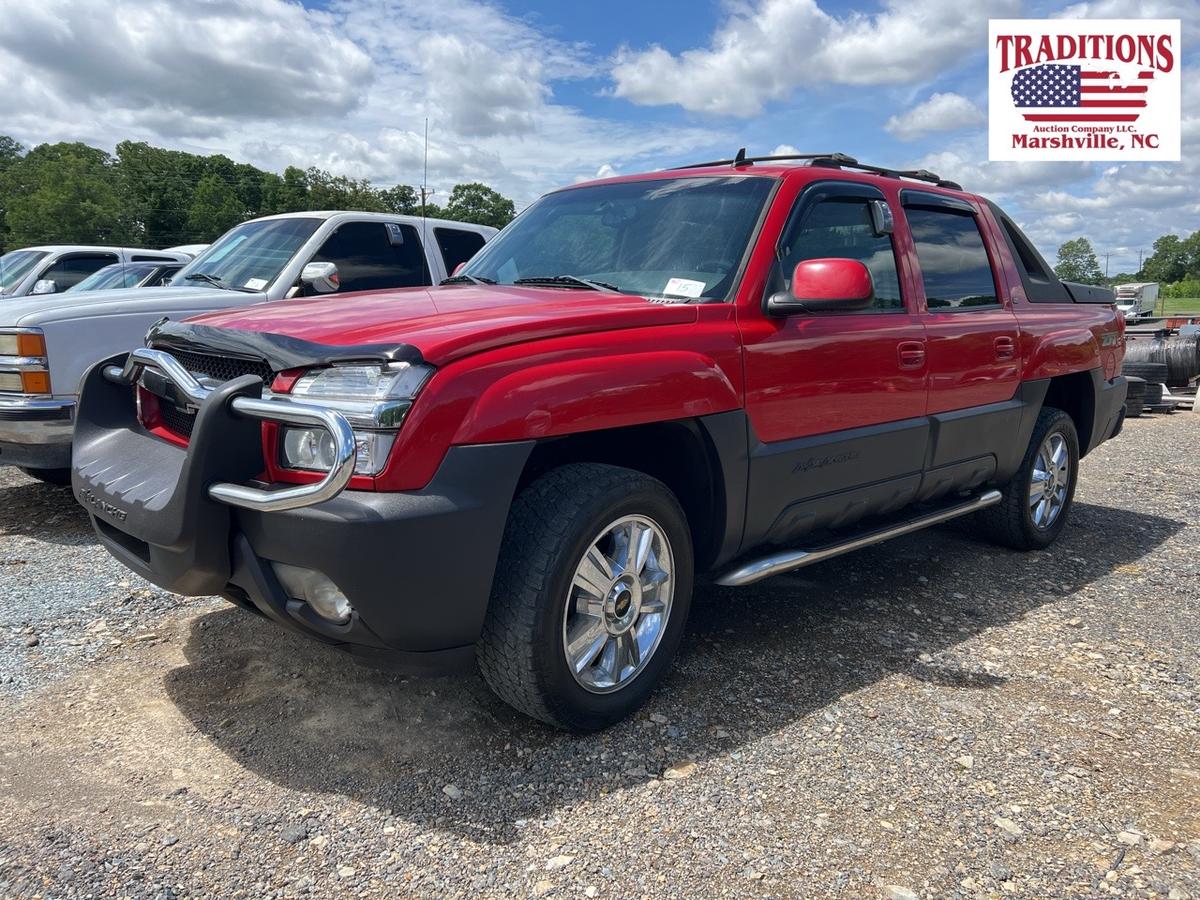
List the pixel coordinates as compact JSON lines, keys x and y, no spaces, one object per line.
{"x":972,"y":341}
{"x":836,"y":400}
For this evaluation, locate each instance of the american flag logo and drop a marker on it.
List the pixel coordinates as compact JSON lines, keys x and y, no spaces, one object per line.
{"x":1076,"y":94}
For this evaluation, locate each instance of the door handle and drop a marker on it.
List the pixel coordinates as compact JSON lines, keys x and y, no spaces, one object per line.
{"x":1006,"y":347}
{"x":911,"y":354}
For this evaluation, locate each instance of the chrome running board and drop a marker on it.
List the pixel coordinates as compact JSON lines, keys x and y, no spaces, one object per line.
{"x":786,"y":560}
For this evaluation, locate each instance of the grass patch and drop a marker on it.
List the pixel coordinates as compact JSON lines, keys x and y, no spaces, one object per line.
{"x":1178,"y":306}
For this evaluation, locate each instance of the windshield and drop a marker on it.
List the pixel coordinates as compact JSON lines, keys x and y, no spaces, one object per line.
{"x":16,"y":265}
{"x":118,"y":275}
{"x":670,"y":237}
{"x":249,"y":256}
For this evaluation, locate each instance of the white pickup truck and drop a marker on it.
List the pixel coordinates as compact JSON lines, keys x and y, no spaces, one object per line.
{"x":47,"y":342}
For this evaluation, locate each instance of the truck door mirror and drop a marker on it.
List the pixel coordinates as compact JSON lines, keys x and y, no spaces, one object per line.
{"x":320,"y":277}
{"x":825,"y":285}
{"x":45,"y":286}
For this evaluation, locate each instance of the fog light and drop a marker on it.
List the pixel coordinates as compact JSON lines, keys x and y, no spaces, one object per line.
{"x":308,"y":448}
{"x":316,"y":590}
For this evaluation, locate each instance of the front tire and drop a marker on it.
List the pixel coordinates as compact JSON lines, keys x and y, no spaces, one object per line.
{"x":1037,"y":501}
{"x":591,"y":594}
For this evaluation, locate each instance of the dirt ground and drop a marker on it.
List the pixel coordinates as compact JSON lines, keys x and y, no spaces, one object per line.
{"x":931,"y":717}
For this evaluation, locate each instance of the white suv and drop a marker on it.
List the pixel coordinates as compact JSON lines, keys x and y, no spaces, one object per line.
{"x":54,"y":269}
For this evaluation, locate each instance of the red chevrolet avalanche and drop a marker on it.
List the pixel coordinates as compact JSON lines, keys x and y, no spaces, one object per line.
{"x":723,"y":371}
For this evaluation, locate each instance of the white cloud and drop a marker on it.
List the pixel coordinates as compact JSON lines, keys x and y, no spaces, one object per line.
{"x":233,"y":59}
{"x":765,"y":50}
{"x":347,"y":89}
{"x":1188,"y":11}
{"x":941,"y":112}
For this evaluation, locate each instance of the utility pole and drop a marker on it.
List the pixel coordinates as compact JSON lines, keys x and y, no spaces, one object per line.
{"x":425,"y":192}
{"x":1106,"y":255}
{"x":1139,"y":264}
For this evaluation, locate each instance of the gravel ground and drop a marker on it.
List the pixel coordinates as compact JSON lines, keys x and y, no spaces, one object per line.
{"x":931,"y":717}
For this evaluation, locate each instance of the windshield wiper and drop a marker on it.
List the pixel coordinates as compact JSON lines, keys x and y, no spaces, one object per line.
{"x":568,"y":280}
{"x":467,"y":279}
{"x":217,"y":282}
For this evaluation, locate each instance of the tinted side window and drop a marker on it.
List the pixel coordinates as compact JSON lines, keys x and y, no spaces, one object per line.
{"x":954,"y":261}
{"x":842,"y":228}
{"x":71,"y":270}
{"x":368,"y":261}
{"x":150,"y":257}
{"x":457,"y":246}
{"x":163,"y":275}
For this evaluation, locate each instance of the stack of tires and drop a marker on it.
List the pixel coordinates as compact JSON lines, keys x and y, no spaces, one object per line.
{"x":1135,"y":396}
{"x":1154,"y":375}
{"x":1175,"y":360}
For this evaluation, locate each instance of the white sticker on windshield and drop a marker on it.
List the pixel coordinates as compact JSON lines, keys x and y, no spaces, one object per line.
{"x":256,"y":284}
{"x":684,"y":287}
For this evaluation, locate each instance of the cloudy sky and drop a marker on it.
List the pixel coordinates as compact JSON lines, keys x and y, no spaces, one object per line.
{"x":530,"y":94}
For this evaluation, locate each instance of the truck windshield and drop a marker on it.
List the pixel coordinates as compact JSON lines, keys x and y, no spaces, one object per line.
{"x":249,"y":256}
{"x":679,"y":237}
{"x":118,"y":275}
{"x":15,"y":266}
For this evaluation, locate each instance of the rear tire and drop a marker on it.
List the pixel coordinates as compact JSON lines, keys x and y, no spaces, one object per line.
{"x":49,"y":476}
{"x":1037,"y":501}
{"x":579,"y":630}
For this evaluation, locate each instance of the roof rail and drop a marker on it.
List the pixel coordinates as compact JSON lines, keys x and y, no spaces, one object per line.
{"x":832,"y":161}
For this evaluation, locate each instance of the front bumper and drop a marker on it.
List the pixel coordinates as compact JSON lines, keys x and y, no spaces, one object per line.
{"x":416,"y":566}
{"x":36,"y":433}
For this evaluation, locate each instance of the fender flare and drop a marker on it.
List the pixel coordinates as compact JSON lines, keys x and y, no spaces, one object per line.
{"x":1062,"y":352}
{"x":595,"y":393}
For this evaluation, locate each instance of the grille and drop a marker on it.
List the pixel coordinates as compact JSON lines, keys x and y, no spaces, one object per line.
{"x":221,"y":368}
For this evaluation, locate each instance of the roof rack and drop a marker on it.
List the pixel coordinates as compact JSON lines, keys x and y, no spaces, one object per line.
{"x":831,"y":161}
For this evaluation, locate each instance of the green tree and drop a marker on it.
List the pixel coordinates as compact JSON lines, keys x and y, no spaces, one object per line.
{"x":401,"y":200}
{"x":10,"y":154}
{"x":1191,"y":249}
{"x":1077,"y":262}
{"x":1168,"y":262}
{"x":10,"y":151}
{"x":156,"y":188}
{"x":215,"y":208}
{"x":285,"y":194}
{"x":65,"y":193}
{"x":480,"y":204}
{"x":328,"y":191}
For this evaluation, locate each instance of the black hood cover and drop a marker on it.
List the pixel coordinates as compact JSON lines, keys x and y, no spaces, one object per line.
{"x":280,"y":351}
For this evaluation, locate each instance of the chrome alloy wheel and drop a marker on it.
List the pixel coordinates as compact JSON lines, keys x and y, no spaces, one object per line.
{"x":1050,"y":480}
{"x":618,"y":604}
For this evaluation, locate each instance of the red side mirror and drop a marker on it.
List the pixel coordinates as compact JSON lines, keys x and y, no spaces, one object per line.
{"x":832,"y":284}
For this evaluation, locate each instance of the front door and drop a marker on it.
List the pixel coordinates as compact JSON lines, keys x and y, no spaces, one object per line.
{"x":836,"y":400}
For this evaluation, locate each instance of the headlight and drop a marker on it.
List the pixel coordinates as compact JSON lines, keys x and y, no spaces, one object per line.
{"x":373,"y":398}
{"x":23,"y":366}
